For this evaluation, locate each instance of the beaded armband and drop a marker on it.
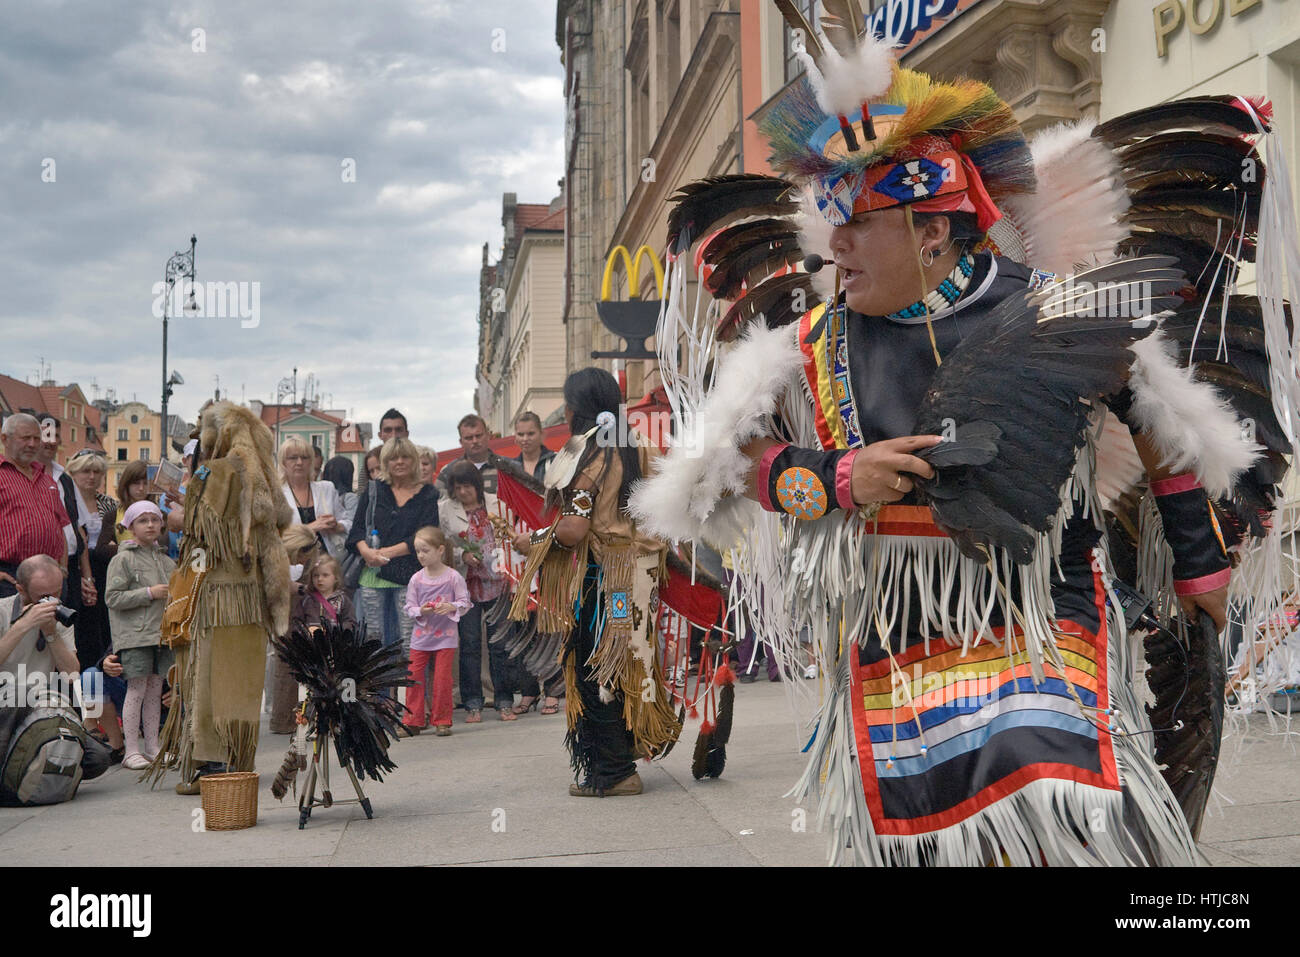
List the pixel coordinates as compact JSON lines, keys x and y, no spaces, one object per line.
{"x":1200,"y":559}
{"x":805,"y":483}
{"x":578,"y":503}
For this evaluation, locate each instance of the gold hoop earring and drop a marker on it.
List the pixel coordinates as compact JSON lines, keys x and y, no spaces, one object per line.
{"x":927,"y":263}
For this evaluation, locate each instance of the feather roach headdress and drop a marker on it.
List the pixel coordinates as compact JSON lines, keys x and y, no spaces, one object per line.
{"x":866,"y":134}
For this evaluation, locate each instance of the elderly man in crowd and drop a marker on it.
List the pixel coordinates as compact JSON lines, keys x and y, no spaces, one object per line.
{"x":33,"y":520}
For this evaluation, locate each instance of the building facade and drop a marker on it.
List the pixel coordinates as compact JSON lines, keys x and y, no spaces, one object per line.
{"x":328,"y":430}
{"x":521,"y":365}
{"x":131,"y":432}
{"x":663,"y":92}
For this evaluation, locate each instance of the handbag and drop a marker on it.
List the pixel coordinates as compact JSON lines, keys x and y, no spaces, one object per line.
{"x":353,"y":564}
{"x":178,"y":616}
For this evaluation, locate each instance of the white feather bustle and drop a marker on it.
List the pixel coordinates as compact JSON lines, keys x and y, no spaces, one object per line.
{"x":1072,"y":219}
{"x":1192,"y":426}
{"x":684,"y":499}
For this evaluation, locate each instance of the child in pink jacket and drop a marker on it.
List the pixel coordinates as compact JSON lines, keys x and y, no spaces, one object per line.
{"x":436,"y":597}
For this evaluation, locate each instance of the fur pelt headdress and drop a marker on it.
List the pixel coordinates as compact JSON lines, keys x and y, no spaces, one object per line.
{"x":233,"y":433}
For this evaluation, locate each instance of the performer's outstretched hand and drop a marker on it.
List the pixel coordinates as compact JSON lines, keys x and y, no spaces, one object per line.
{"x":879,"y":469}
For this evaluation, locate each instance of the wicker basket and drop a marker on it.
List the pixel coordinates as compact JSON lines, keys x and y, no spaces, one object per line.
{"x":229,"y":800}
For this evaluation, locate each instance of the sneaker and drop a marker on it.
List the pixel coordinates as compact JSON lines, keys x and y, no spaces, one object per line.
{"x":810,"y":671}
{"x":748,"y":678}
{"x":135,"y":761}
{"x":628,"y":786}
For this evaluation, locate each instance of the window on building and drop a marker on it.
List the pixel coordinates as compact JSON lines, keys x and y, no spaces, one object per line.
{"x":145,"y":435}
{"x":121,"y":455}
{"x":672,"y":40}
{"x":135,"y":419}
{"x":144,"y":455}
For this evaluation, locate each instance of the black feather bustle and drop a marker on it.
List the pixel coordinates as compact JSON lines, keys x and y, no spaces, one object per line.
{"x":346,"y":675}
{"x":706,"y":204}
{"x":726,"y":706}
{"x":716,"y":760}
{"x":740,"y":251}
{"x":699,"y":761}
{"x":998,"y":482}
{"x":1207,"y":113}
{"x":780,"y":301}
{"x":1188,"y":685}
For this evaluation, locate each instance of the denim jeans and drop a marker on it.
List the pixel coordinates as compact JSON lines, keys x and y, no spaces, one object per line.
{"x":471,"y":662}
{"x":384,"y":615}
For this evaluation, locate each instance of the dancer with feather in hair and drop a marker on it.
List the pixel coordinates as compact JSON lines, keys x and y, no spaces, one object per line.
{"x":597,"y":597}
{"x":921,"y":465}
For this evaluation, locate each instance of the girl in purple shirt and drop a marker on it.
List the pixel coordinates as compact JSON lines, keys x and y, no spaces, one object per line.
{"x":436,"y":597}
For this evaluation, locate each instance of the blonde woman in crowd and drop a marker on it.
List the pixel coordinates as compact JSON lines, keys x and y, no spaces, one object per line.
{"x":315,"y":504}
{"x":403,"y":505}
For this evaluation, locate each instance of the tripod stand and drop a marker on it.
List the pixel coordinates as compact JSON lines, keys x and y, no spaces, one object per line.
{"x":319,"y":771}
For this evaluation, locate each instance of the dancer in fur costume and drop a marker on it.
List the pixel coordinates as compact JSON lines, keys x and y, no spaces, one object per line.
{"x":594,"y":562}
{"x":921,"y":465}
{"x":230,"y":593}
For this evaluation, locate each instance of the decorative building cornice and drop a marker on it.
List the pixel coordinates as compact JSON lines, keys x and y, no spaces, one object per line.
{"x":1038,"y":54}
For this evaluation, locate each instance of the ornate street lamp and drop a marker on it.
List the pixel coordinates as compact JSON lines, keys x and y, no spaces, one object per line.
{"x":181,"y":264}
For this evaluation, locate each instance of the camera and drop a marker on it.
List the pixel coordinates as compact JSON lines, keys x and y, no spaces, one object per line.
{"x":64,"y":615}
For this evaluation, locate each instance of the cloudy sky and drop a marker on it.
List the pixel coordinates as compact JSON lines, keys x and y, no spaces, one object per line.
{"x":244,"y":134}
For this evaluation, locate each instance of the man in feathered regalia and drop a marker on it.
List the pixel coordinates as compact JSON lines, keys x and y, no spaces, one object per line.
{"x":934,"y":468}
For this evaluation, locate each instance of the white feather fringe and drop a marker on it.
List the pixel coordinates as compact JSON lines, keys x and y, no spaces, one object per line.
{"x":706,"y":464}
{"x":1073,"y":217}
{"x":1192,"y":426}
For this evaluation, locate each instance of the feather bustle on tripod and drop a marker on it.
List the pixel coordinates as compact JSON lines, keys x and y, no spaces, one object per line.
{"x":346,"y":675}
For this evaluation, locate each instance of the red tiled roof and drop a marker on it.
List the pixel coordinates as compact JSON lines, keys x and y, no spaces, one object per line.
{"x":528,"y":214}
{"x":552,"y":223}
{"x":20,"y":395}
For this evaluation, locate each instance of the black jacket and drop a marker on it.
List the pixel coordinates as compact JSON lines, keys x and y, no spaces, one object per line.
{"x":395,"y":525}
{"x":540,"y":472}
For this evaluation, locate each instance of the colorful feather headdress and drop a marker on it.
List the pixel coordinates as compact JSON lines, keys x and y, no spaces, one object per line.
{"x":867,"y":134}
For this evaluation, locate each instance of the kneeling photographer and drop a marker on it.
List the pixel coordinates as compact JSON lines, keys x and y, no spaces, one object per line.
{"x":44,"y":750}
